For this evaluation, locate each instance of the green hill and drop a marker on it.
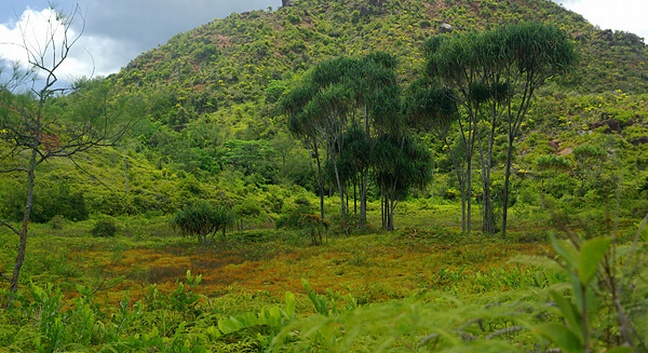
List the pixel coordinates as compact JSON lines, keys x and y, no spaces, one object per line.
{"x":211,"y":125}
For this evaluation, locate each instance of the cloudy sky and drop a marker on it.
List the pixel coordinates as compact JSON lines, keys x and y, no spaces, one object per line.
{"x":116,"y":31}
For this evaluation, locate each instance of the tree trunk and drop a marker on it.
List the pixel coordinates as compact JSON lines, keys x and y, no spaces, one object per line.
{"x":320,"y":176}
{"x":488,"y":221}
{"x":355,"y":196}
{"x":486,"y":158}
{"x":382,"y":211}
{"x":22,"y":246}
{"x":126,"y":170}
{"x":363,"y":198}
{"x":462,"y":189}
{"x":469,"y":192}
{"x":340,"y":187}
{"x":507,"y":178}
{"x":390,"y":220}
{"x":488,"y":212}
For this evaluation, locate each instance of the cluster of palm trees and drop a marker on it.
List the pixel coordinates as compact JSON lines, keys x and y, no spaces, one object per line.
{"x":348,"y":112}
{"x":477,"y":89}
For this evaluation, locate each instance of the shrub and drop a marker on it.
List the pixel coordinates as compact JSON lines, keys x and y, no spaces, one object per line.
{"x":47,"y":203}
{"x":104,"y":228}
{"x":292,"y":218}
{"x":57,"y":222}
{"x":203,"y":220}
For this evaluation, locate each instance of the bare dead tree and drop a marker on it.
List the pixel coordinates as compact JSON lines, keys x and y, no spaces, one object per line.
{"x":30,"y":134}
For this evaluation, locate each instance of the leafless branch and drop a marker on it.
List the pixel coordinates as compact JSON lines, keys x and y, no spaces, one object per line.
{"x":89,"y":174}
{"x":13,"y":229}
{"x":12,"y":170}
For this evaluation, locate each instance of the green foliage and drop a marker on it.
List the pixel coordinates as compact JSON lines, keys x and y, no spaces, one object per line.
{"x":643,"y":185}
{"x":104,"y":228}
{"x":252,"y":158}
{"x":203,"y":220}
{"x":462,"y":301}
{"x":292,"y":219}
{"x":48,"y":203}
{"x":329,"y":304}
{"x":275,"y":91}
{"x":584,"y":261}
{"x":219,"y":105}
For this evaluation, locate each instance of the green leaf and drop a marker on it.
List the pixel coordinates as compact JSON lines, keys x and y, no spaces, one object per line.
{"x":213,"y":332}
{"x":561,"y":336}
{"x":566,"y":251}
{"x":306,"y":285}
{"x":275,"y":312}
{"x":570,"y":313}
{"x":591,"y":253}
{"x":248,"y":319}
{"x":620,"y":350}
{"x":229,"y":325}
{"x":290,"y":305}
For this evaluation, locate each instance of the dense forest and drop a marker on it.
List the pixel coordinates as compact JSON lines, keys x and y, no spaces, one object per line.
{"x":440,"y":170}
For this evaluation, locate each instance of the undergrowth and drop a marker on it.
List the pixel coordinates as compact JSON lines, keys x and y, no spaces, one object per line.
{"x":261,"y":291}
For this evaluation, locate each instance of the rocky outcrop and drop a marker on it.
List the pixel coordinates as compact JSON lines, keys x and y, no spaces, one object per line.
{"x":640,"y":141}
{"x":287,"y":2}
{"x":555,"y":144}
{"x":446,"y":28}
{"x":609,"y":124}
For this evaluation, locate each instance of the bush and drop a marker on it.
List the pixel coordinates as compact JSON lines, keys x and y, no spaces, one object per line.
{"x":104,"y":228}
{"x":292,"y":218}
{"x":203,"y":220}
{"x":57,"y":222}
{"x":47,"y":203}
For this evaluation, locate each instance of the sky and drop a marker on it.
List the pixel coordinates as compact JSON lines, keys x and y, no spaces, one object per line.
{"x":117,"y":31}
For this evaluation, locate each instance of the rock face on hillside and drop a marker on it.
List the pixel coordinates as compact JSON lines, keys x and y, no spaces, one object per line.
{"x":287,"y":2}
{"x":446,"y":28}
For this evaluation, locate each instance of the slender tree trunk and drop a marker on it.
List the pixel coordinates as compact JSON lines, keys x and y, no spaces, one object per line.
{"x":459,"y":172}
{"x":514,"y":122}
{"x":22,"y":246}
{"x":392,"y":208}
{"x":486,"y":157}
{"x":468,"y":139}
{"x":340,"y":189}
{"x":463,"y":207}
{"x":363,"y":198}
{"x":365,"y":172}
{"x":346,"y":197}
{"x":320,"y":177}
{"x":487,"y":202}
{"x":126,"y":171}
{"x":382,"y":210}
{"x":469,"y":192}
{"x":507,"y":178}
{"x":355,"y":196}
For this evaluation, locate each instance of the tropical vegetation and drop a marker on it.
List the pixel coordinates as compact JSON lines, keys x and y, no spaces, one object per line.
{"x":382,"y":176}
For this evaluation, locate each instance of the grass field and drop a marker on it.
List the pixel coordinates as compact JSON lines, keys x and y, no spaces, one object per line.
{"x":133,"y":292}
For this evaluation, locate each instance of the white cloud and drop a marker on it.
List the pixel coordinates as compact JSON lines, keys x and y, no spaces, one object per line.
{"x":626,"y":15}
{"x":42,"y":33}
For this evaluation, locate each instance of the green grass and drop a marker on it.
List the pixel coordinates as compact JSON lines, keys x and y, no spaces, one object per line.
{"x":424,"y":287}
